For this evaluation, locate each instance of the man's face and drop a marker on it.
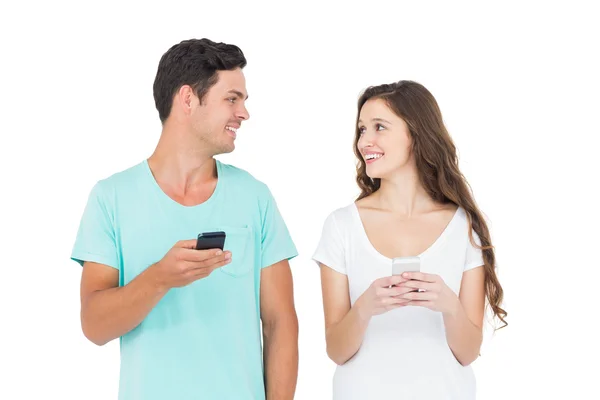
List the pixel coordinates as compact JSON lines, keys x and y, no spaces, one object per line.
{"x":222,"y":111}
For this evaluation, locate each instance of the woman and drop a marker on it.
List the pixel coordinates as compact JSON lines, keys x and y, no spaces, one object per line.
{"x":412,"y":335}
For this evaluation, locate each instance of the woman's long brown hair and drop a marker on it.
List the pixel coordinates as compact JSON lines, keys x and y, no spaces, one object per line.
{"x":437,"y":165}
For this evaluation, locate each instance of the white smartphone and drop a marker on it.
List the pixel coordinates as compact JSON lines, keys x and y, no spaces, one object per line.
{"x":405,"y":264}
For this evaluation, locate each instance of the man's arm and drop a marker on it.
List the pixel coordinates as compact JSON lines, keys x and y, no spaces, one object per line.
{"x":109,"y":311}
{"x":280,"y":331}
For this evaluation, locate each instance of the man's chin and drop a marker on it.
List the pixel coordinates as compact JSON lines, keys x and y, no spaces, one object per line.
{"x":225,"y":149}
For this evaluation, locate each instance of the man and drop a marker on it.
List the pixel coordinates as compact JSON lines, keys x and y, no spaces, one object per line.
{"x":189,"y":320}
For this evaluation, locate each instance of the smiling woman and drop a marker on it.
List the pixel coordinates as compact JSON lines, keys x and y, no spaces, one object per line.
{"x":377,"y":117}
{"x":412,"y":335}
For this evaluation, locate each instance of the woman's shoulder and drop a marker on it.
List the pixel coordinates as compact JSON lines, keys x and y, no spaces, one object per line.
{"x":342,"y":216}
{"x":462,"y":225}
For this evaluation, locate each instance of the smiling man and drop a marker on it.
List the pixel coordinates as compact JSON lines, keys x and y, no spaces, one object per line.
{"x":189,"y":321}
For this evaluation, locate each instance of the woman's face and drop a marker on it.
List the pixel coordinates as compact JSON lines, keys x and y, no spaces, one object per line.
{"x":385,"y":140}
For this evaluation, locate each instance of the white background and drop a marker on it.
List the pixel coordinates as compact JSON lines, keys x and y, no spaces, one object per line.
{"x":518,"y":86}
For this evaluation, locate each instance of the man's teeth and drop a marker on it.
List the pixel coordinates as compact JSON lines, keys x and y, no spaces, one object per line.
{"x":234,"y":130}
{"x":373,"y":156}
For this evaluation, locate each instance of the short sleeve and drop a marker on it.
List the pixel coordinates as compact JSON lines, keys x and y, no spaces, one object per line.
{"x":330,"y":250}
{"x":276,"y":242}
{"x":474,"y":257}
{"x":95,"y":241}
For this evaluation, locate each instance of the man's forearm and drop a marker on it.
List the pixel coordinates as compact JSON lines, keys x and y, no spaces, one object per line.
{"x":464,"y":337}
{"x":111,"y":313}
{"x":281,"y":358}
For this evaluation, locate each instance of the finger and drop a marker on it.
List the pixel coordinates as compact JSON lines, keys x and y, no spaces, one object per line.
{"x":420,"y":276}
{"x":420,"y":296}
{"x":388,"y":281}
{"x":199,"y":274}
{"x":190,"y":267}
{"x":220,"y":263}
{"x":398,"y":291}
{"x":215,"y":262}
{"x":419,"y":285}
{"x":203,"y":255}
{"x":383,"y":292}
{"x":393,"y":291}
{"x":186,"y":244}
{"x":400,"y":296}
{"x":420,"y":303}
{"x":391,"y":301}
{"x":196,"y":272}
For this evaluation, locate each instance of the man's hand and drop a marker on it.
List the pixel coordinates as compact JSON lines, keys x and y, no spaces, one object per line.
{"x":183,"y":264}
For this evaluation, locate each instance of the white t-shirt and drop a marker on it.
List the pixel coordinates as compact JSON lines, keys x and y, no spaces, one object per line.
{"x":404,"y":353}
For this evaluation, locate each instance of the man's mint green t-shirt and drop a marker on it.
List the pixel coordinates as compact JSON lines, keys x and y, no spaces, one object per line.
{"x":201,"y":341}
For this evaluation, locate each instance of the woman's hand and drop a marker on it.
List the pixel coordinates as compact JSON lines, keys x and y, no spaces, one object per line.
{"x":434,"y":295}
{"x":380,"y":297}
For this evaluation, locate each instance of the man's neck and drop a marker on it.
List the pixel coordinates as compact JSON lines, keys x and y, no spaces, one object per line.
{"x":181,"y":162}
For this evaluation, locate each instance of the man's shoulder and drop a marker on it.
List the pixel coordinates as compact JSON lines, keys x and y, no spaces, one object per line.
{"x":243,"y":179}
{"x":120,"y":180}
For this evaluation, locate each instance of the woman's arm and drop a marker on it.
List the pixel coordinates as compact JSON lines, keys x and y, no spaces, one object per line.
{"x":463,"y":314}
{"x":464,"y":323}
{"x":345,"y":326}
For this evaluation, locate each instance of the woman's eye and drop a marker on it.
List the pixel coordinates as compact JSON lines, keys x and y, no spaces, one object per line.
{"x":361,"y":130}
{"x":379,"y":126}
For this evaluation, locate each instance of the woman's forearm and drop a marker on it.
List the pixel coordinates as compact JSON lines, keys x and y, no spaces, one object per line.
{"x":464,"y":337}
{"x":345,"y":337}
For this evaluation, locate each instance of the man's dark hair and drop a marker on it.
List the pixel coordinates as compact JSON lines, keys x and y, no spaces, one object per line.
{"x":193,"y":62}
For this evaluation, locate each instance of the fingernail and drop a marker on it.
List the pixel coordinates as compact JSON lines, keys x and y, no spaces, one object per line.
{"x":228,"y":256}
{"x":406,"y":274}
{"x":218,"y":253}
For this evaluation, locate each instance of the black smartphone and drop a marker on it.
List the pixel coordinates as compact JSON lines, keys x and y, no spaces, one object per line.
{"x":210,"y":240}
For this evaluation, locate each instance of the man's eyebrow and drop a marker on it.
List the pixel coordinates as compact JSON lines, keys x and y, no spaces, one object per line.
{"x":239,"y":94}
